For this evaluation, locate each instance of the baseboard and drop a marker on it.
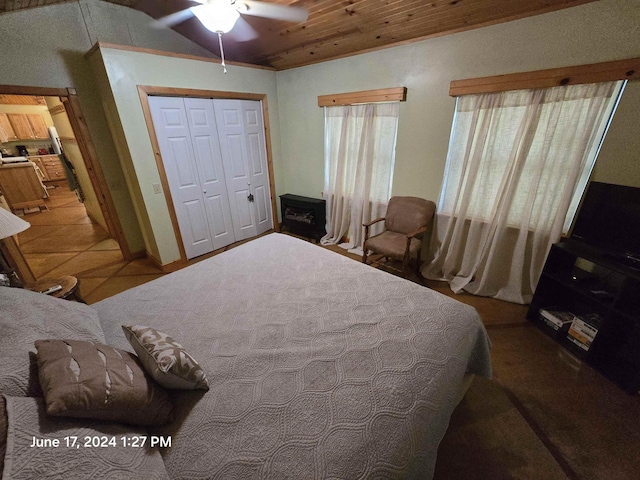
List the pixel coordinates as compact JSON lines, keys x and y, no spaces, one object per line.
{"x":167,"y":267}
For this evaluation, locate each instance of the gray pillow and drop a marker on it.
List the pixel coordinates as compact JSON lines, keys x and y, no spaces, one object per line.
{"x":93,"y":380}
{"x":27,"y":316}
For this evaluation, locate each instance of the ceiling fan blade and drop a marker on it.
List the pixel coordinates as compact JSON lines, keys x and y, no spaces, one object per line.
{"x":242,"y":31}
{"x":274,"y":11}
{"x":172,"y":19}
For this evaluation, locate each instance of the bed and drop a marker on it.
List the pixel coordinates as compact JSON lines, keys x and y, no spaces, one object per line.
{"x":317,"y":366}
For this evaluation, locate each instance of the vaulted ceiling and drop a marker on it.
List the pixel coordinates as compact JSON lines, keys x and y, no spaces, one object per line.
{"x":337,"y":28}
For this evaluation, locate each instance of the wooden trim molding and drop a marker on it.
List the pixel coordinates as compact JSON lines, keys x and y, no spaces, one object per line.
{"x":11,"y":251}
{"x":38,"y":91}
{"x":162,"y":53}
{"x":94,"y":169}
{"x":68,"y":140}
{"x":554,"y":77}
{"x":398,"y":94}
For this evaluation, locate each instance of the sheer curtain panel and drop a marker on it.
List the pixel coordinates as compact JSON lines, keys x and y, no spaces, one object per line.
{"x":359,"y":156}
{"x":516,"y":162}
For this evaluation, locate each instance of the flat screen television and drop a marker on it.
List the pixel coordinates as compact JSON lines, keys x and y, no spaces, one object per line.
{"x":609,"y":219}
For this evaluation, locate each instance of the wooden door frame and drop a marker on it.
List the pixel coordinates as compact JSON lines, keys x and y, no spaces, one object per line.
{"x":70,"y":100}
{"x":145,"y":91}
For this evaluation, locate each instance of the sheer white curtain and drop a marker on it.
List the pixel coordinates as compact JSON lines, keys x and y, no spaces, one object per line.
{"x":516,"y":161}
{"x":359,"y":156}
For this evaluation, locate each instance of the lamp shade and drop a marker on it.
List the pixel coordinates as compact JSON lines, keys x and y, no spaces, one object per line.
{"x":11,"y":224}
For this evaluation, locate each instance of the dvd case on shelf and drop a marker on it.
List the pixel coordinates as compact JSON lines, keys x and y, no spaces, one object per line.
{"x":583,"y":330}
{"x":556,"y":318}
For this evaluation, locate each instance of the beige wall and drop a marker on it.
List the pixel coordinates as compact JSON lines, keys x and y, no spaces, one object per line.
{"x":124,"y":70}
{"x":619,"y":159}
{"x":595,"y":32}
{"x":45,"y":47}
{"x":54,"y":57}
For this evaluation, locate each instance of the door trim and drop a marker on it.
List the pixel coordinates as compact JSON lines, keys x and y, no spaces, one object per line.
{"x":68,"y":96}
{"x":145,"y":91}
{"x":94,"y":169}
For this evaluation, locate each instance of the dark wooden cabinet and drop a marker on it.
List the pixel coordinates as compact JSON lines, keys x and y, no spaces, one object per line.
{"x":303,"y":215}
{"x":585,"y":280}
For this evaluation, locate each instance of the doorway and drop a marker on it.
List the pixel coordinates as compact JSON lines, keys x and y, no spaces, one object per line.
{"x":81,"y":190}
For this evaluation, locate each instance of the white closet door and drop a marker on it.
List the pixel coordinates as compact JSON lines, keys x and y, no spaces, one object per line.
{"x":172,"y":131}
{"x":233,"y":145}
{"x":257,"y":157}
{"x":204,"y":136}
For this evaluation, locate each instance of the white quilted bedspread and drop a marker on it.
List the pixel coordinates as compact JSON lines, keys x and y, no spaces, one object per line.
{"x":319,"y":366}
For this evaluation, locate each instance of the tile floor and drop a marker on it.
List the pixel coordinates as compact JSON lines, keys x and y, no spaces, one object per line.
{"x":64,"y":241}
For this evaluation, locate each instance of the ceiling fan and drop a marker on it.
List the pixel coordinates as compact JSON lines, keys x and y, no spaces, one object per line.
{"x":221,"y":16}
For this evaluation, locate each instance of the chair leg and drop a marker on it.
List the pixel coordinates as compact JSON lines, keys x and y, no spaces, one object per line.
{"x":364,"y":252}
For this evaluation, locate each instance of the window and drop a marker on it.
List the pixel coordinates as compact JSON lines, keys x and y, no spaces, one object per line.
{"x":517,"y":164}
{"x":530,"y":142}
{"x":360,"y":145}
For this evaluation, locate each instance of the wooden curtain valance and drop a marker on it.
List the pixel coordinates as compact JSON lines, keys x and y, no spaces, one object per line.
{"x":593,"y":73}
{"x":398,"y":94}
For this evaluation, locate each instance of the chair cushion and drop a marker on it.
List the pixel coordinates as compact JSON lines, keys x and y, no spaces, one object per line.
{"x":408,"y":214}
{"x":393,"y":245}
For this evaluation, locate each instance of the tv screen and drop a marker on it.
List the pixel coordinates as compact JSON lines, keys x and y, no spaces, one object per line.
{"x":609,"y":218}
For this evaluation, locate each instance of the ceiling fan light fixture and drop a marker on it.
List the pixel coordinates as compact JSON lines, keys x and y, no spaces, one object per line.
{"x":216,"y":17}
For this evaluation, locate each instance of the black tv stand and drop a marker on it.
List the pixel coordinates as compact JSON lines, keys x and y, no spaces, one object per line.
{"x":585,"y":280}
{"x":630,"y":259}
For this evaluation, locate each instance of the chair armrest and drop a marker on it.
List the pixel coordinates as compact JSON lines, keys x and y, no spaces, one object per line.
{"x":366,"y":228}
{"x":418,"y":232}
{"x":373,"y":221}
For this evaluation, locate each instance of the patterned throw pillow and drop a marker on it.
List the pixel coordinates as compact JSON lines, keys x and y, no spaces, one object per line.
{"x":165,"y":359}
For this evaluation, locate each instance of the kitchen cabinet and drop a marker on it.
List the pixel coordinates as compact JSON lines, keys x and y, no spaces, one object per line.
{"x":20,"y":124}
{"x":39,"y":128}
{"x":21,"y":186}
{"x":6,"y":130}
{"x":51,"y":167}
{"x":29,"y":126}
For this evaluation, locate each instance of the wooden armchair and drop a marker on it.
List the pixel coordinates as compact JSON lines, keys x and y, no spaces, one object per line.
{"x":406,"y":221}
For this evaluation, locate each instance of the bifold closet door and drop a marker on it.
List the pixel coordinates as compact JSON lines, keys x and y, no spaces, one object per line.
{"x":172,"y":130}
{"x":188,"y":142}
{"x":204,"y":136}
{"x":242,"y":143}
{"x":214,"y":155}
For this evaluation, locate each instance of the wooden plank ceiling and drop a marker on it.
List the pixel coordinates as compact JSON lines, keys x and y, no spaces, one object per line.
{"x":338,"y":28}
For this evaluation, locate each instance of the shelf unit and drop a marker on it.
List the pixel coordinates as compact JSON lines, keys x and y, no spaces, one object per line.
{"x":583,"y":280}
